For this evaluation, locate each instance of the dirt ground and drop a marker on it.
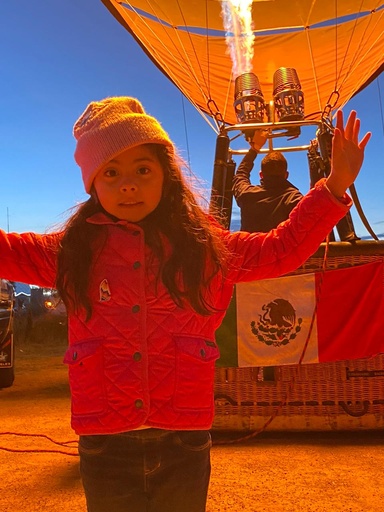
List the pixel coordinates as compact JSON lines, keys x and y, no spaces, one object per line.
{"x":274,"y":472}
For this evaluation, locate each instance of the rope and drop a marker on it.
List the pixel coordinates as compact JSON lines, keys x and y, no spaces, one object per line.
{"x":185,"y":130}
{"x":39,"y":450}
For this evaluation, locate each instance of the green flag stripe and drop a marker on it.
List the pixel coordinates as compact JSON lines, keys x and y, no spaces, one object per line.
{"x":226,"y":337}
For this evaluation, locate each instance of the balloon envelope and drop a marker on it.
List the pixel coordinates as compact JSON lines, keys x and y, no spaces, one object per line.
{"x":335,"y":47}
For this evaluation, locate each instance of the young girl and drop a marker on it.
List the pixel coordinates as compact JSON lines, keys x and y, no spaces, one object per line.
{"x":146,"y":276}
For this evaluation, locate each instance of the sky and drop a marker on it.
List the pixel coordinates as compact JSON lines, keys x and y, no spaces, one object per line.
{"x":56,"y":59}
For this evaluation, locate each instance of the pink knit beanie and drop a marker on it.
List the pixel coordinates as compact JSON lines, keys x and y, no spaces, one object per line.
{"x":110,"y":126}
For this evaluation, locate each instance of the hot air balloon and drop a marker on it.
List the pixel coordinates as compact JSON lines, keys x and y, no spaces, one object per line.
{"x":282,"y":65}
{"x":336,"y":47}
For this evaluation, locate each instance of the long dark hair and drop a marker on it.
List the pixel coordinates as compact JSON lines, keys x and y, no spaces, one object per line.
{"x":197,"y":254}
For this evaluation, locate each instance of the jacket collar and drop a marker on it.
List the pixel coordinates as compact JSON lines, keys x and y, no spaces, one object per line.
{"x":102,"y":219}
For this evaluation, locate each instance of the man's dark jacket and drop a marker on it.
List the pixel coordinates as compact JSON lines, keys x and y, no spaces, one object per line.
{"x":264,"y":206}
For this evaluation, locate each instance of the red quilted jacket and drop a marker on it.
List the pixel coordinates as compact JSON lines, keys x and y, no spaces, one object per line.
{"x":140,"y":359}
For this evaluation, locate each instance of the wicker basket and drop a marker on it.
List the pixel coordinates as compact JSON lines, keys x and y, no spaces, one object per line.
{"x":343,"y":395}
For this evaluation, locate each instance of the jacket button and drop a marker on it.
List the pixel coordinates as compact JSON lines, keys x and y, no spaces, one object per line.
{"x":135,"y":308}
{"x":139,"y":403}
{"x":137,"y":356}
{"x":135,"y":233}
{"x":202,"y":352}
{"x":136,"y":265}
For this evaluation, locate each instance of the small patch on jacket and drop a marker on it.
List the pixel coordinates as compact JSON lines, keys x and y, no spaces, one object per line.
{"x":105,"y":292}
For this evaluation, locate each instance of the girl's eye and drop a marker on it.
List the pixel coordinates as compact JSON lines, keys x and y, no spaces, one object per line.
{"x":110,"y":173}
{"x":143,"y":170}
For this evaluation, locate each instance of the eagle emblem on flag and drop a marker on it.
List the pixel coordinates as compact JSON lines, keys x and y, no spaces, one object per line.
{"x":278,"y":324}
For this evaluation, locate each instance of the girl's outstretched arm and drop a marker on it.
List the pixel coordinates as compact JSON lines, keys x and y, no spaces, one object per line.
{"x":347,"y":154}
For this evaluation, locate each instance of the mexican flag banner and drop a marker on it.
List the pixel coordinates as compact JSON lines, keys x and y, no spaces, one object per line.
{"x":336,"y":315}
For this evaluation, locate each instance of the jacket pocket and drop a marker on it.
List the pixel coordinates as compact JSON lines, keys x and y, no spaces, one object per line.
{"x":195,"y":367}
{"x":86,"y":369}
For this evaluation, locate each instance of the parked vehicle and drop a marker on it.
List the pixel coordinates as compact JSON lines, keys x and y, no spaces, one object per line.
{"x":6,"y":334}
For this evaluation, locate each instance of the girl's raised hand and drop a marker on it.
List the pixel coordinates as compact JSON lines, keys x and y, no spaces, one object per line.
{"x":347,"y":154}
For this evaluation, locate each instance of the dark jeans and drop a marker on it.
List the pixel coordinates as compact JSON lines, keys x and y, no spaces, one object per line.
{"x":149,"y":470}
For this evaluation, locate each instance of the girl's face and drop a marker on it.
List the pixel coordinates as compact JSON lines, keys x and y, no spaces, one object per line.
{"x":130,"y":186}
